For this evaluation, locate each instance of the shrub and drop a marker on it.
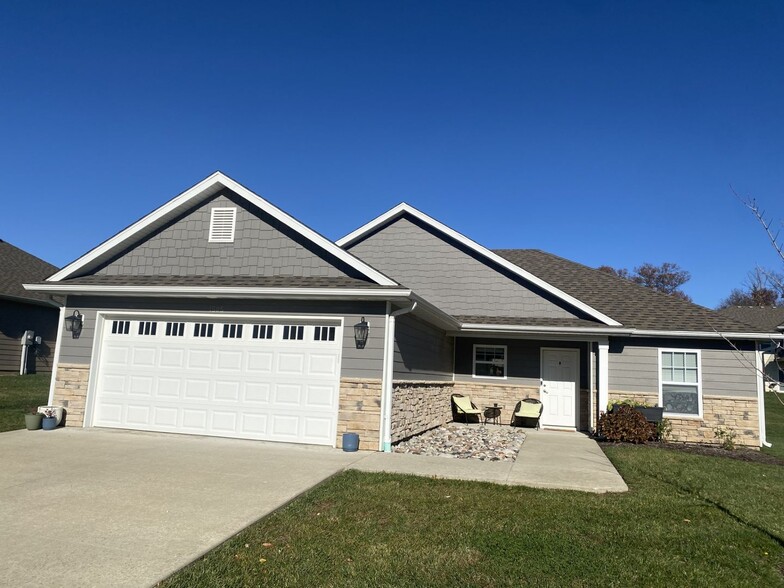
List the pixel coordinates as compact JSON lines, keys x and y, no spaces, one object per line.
{"x":726,"y":437}
{"x":625,"y":424}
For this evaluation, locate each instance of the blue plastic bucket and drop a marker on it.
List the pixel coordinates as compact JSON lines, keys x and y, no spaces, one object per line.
{"x":350,"y":441}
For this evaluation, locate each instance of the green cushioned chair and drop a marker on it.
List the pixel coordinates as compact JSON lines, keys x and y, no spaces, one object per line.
{"x":462,"y":405}
{"x":528,"y":410}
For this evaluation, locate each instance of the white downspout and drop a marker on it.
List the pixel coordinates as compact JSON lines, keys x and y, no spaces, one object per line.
{"x":388,"y":372}
{"x":761,"y":395}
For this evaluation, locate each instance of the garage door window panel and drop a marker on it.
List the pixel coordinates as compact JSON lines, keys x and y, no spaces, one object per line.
{"x":293,"y":332}
{"x":262,"y":331}
{"x":148,"y":328}
{"x":121,"y":327}
{"x":202,"y":330}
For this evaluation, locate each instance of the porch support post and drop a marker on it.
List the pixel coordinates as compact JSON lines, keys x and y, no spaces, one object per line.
{"x":604,"y":372}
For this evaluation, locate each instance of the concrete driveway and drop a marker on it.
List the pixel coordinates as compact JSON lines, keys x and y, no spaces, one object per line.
{"x":92,"y":507}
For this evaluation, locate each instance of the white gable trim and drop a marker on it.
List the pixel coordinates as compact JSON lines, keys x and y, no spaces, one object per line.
{"x":404,"y":208}
{"x":125,"y":235}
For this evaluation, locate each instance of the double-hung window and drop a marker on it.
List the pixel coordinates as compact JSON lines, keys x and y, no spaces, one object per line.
{"x":490,"y":361}
{"x":680,"y":382}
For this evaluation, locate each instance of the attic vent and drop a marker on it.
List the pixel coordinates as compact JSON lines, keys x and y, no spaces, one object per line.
{"x":222,"y":221}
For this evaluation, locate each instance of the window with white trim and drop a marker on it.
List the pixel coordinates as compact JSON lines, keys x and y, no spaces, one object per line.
{"x":293,"y":332}
{"x":679,"y":391}
{"x":175,"y":329}
{"x":222,"y":224}
{"x":202,"y":329}
{"x":490,"y":361}
{"x":232,"y":331}
{"x":148,"y":327}
{"x":121,"y":327}
{"x":262,"y":331}
{"x":323,"y":333}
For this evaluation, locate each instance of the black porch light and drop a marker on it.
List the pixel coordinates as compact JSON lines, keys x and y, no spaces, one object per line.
{"x":73,"y":323}
{"x":361,"y":333}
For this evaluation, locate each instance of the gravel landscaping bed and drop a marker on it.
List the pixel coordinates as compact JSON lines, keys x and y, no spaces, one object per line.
{"x":486,"y":442}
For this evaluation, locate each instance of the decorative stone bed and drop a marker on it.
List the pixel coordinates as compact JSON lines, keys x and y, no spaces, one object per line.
{"x":489,"y":443}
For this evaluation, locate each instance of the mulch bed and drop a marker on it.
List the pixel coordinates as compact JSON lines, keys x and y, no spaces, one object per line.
{"x":749,"y":455}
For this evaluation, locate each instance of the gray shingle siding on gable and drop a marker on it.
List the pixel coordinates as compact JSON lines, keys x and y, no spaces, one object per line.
{"x":634,"y":366}
{"x":452,"y":279}
{"x":422,"y":351}
{"x":262,"y":247}
{"x":356,"y":363}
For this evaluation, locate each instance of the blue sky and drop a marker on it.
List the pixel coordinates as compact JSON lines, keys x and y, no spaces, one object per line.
{"x":604,"y":132}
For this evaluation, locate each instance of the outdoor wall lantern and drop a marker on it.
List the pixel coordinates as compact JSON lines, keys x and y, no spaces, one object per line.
{"x":361,"y":333}
{"x":73,"y":324}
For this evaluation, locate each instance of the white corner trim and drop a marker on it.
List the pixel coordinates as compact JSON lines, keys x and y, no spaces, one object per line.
{"x":404,"y":208}
{"x":603,"y":367}
{"x":256,"y":200}
{"x":761,"y":396}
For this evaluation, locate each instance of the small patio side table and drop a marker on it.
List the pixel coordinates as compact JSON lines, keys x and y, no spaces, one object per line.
{"x":493,"y":413}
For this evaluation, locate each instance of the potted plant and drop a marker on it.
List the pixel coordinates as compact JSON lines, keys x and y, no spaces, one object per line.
{"x":50,"y":419}
{"x":33,"y":419}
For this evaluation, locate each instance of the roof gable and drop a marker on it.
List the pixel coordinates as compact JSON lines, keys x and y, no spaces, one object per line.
{"x":156,"y":223}
{"x":764,"y":318}
{"x":496,"y":263}
{"x":17,"y":267}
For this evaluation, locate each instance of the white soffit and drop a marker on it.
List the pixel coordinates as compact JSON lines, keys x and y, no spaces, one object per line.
{"x":404,"y":208}
{"x":212,"y":185}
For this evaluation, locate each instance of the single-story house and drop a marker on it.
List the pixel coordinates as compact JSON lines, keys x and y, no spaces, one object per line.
{"x":765,"y":319}
{"x":220,"y":314}
{"x":23,"y":311}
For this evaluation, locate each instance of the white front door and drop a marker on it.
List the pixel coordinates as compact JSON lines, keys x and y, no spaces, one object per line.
{"x":560,"y":375}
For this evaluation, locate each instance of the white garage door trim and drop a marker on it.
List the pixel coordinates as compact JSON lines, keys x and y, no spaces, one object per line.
{"x":319,"y":428}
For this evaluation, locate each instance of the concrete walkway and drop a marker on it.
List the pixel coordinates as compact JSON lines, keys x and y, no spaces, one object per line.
{"x":548,"y":459}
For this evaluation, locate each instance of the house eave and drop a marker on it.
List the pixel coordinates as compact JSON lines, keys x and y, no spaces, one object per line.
{"x":34,"y":301}
{"x":705,"y":334}
{"x":391,"y":294}
{"x":488,"y":329}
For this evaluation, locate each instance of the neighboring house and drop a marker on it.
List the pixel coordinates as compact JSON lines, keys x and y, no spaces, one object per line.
{"x":219,"y":314}
{"x":765,"y":319}
{"x":21,"y":310}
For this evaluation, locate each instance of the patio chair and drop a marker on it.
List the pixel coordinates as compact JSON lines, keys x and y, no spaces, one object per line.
{"x":462,"y":405}
{"x":528,"y":410}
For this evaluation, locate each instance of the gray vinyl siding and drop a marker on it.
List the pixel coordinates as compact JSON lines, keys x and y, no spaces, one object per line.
{"x":262,"y":247}
{"x":523,"y":359}
{"x":422,"y":351}
{"x":356,"y":363}
{"x":634,"y":366}
{"x":450,"y":277}
{"x":15,"y":319}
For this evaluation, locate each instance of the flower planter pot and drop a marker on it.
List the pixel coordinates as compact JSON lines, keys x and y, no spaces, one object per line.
{"x":33,"y":421}
{"x":49,"y":423}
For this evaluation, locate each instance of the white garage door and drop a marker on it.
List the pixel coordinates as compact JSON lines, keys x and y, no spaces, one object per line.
{"x":254,"y":380}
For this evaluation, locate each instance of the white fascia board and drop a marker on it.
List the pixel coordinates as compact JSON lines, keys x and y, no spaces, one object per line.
{"x":218,"y":292}
{"x":403,"y":208}
{"x":705,"y":334}
{"x":482,"y":328}
{"x":256,"y":200}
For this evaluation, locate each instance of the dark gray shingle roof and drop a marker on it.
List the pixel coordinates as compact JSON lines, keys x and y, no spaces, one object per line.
{"x":18,"y":267}
{"x":225,"y":281}
{"x":530,"y":321}
{"x":632,"y":305}
{"x":763,"y":318}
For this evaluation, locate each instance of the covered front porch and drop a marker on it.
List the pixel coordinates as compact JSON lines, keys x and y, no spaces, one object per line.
{"x":563,"y":373}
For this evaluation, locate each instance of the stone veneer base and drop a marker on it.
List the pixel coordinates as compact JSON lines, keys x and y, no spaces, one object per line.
{"x":739,"y":414}
{"x":360,"y":411}
{"x":70,"y":391}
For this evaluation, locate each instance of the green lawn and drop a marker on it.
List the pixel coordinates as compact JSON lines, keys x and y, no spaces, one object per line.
{"x":17,"y":394}
{"x":774,"y":421}
{"x":688,"y":520}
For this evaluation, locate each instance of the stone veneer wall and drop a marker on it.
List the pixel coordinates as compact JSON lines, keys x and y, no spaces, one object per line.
{"x":418,"y":406}
{"x":486,"y":394}
{"x":70,"y":391}
{"x":731,"y":412}
{"x":360,"y":411}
